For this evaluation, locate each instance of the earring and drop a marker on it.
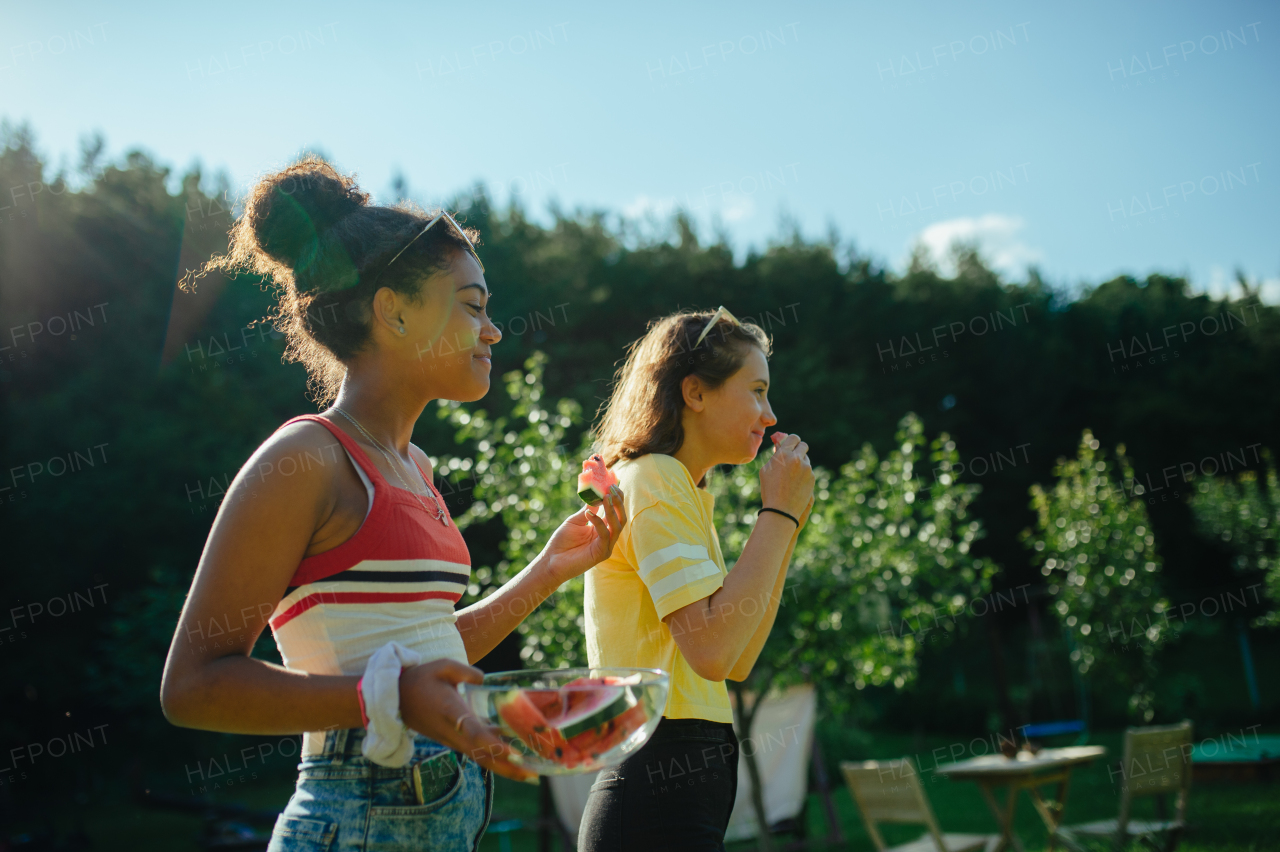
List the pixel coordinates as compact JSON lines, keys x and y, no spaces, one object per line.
{"x":402,"y":329}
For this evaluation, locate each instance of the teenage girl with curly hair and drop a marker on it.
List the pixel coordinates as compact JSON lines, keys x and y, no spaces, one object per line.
{"x":333,"y":531}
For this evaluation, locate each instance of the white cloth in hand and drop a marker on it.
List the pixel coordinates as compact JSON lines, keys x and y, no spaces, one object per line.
{"x":387,"y":741}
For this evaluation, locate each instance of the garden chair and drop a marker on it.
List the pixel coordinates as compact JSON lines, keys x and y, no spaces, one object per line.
{"x":890,"y":791}
{"x":1157,"y":761}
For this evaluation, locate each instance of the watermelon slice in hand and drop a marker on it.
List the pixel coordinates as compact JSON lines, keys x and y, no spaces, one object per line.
{"x":594,"y":481}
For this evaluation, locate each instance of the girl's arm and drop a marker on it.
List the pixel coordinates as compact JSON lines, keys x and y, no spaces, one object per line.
{"x":486,"y":623}
{"x":267,"y":523}
{"x":713,"y":633}
{"x":755,"y":645}
{"x":262,"y":531}
{"x":742,"y":668}
{"x":583,"y":540}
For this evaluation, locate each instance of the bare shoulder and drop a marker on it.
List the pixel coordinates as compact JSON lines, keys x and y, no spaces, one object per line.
{"x":423,"y":460}
{"x":301,"y":457}
{"x":301,"y":447}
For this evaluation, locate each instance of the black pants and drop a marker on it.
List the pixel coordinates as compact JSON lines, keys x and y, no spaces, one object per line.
{"x":675,"y":793}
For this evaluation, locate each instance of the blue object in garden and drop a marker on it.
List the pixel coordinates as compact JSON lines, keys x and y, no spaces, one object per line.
{"x":1244,"y":757}
{"x":503,"y":830}
{"x":1225,"y":749}
{"x":1250,"y":676}
{"x":1052,"y":729}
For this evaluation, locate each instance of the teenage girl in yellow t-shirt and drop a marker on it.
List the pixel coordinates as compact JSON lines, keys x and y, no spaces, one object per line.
{"x":692,"y":394}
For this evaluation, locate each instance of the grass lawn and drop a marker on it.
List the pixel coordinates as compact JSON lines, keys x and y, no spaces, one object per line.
{"x":1224,"y":817}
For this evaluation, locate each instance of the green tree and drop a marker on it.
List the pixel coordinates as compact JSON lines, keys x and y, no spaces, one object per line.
{"x":883,"y":567}
{"x":1244,"y":514}
{"x":1095,"y":544}
{"x":522,"y":475}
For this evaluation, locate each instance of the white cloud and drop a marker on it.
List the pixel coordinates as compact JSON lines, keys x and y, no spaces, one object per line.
{"x":1270,"y":291}
{"x":737,"y":208}
{"x":1221,"y":283}
{"x":1224,"y":284}
{"x":642,"y":207}
{"x":995,"y":234}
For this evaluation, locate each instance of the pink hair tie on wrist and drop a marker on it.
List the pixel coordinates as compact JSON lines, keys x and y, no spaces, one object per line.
{"x":364,"y":717}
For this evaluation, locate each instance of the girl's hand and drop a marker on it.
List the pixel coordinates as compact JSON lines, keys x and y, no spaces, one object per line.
{"x":786,"y":480}
{"x":430,"y":704}
{"x":585,"y":538}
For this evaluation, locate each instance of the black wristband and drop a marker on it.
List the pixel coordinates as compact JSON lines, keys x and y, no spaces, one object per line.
{"x":783,"y":514}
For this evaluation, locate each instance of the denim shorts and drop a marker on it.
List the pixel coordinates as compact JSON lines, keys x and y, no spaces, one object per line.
{"x":676,"y":792}
{"x":345,"y":803}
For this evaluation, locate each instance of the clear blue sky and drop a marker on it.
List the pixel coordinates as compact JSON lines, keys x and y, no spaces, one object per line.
{"x":1090,"y":139}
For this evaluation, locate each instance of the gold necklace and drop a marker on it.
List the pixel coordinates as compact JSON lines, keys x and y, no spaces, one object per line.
{"x":440,"y":513}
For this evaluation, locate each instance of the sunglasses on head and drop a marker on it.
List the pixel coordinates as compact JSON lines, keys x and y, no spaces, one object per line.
{"x":471,"y":247}
{"x":720,"y":312}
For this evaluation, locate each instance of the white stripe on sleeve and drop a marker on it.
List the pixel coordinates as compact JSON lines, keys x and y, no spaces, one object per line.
{"x":674,"y":551}
{"x":683,"y":577}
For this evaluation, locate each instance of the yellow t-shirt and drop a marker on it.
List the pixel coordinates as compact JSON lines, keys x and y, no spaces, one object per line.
{"x":667,"y":557}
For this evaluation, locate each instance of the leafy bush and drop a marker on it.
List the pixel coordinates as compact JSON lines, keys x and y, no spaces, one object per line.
{"x":883,"y":566}
{"x":1245,"y":515}
{"x":1096,"y":545}
{"x":523,"y":475}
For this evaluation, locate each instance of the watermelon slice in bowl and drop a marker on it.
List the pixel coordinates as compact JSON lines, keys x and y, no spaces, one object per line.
{"x":569,"y":721}
{"x":594,"y":481}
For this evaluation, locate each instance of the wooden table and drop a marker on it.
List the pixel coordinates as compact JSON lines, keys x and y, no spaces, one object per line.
{"x":1025,"y":772}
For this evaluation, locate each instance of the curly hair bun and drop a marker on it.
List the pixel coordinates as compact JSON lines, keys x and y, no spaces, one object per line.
{"x":291,"y":212}
{"x":312,"y":233}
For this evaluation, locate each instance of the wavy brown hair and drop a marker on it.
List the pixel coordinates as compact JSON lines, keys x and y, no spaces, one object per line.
{"x":311,"y":233}
{"x":643,"y":413}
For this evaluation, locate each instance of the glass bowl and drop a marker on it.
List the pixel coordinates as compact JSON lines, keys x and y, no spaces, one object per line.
{"x":570,"y":721}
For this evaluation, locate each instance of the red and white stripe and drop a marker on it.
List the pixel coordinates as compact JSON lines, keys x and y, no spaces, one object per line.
{"x":397,"y":579}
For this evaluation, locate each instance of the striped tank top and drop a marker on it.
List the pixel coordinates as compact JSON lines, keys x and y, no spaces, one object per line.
{"x":397,"y":579}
